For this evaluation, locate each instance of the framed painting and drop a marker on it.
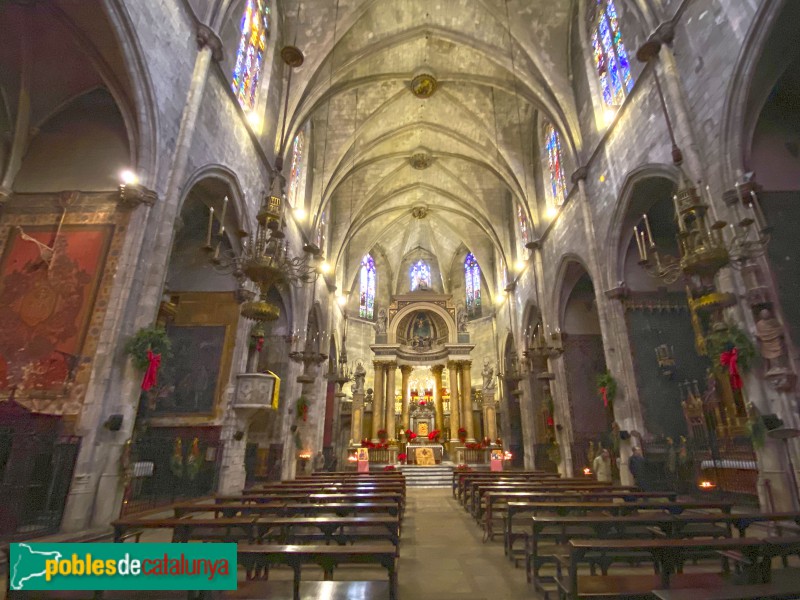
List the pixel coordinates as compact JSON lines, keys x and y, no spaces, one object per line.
{"x":189,"y":383}
{"x":48,"y":285}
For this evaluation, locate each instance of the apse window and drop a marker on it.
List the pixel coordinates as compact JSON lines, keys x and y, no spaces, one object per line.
{"x":472,"y":285}
{"x":608,"y":52}
{"x":420,"y":276}
{"x":366,"y":309}
{"x":250,"y":56}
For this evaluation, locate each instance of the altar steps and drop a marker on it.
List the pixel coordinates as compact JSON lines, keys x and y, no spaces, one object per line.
{"x":437,"y":476}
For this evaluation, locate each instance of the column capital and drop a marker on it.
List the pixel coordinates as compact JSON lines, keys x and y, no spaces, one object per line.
{"x":406,"y":369}
{"x":437,"y":369}
{"x":453,"y":364}
{"x":208,"y":37}
{"x":133,"y":194}
{"x":392,"y":365}
{"x":580,"y":174}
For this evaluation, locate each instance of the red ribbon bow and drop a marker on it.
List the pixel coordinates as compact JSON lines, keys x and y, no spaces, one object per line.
{"x":604,"y":394}
{"x":730,"y":359}
{"x":259,"y":343}
{"x":151,"y":375}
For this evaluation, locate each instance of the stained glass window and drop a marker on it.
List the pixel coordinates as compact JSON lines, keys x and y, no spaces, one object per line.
{"x":608,"y":50}
{"x":249,"y":58}
{"x":522,"y":223}
{"x":558,"y":185}
{"x":420,"y":276}
{"x":367,"y":303}
{"x":322,"y":231}
{"x":296,"y":174}
{"x":472,"y":276}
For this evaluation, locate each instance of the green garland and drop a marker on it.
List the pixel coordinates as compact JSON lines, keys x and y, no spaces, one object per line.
{"x":605,"y":380}
{"x":148,"y":338}
{"x":731,"y":337}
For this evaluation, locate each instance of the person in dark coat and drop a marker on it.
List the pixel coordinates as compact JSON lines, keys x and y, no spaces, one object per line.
{"x":636,"y":465}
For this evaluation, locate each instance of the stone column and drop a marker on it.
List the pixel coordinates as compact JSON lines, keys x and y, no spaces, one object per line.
{"x":489,"y":414}
{"x":438,"y":403}
{"x":466,"y":399}
{"x":377,"y":400}
{"x":96,"y":494}
{"x":405,"y":371}
{"x":357,"y":418}
{"x":452,"y":368}
{"x":390,"y":396}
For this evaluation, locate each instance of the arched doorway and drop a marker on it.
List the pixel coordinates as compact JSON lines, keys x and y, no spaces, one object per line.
{"x":512,"y":396}
{"x":177,"y":432}
{"x":584,"y":361}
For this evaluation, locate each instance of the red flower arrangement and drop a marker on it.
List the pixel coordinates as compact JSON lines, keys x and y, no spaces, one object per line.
{"x":389,"y":468}
{"x":402,"y":457}
{"x":475,"y":445}
{"x":462,"y":434}
{"x":382,"y":435}
{"x":411,"y":436}
{"x":463,"y":468}
{"x":422,"y":403}
{"x":365,"y":443}
{"x":433,"y":435}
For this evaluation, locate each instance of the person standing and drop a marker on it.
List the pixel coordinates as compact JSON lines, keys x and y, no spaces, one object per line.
{"x":319,"y":462}
{"x":602,"y":466}
{"x":636,"y":465}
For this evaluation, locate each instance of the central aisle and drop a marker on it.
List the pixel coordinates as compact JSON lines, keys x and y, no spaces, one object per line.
{"x":442,"y":556}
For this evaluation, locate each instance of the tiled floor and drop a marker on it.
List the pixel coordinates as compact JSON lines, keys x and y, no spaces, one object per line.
{"x":442,"y":556}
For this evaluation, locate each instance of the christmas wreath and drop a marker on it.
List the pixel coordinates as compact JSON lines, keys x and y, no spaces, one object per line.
{"x":731,"y":352}
{"x":607,"y":387}
{"x":147,"y":349}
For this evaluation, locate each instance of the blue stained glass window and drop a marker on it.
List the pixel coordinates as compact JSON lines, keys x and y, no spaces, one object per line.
{"x":250,"y":56}
{"x":322,"y":231}
{"x":608,"y":51}
{"x":366,"y":308}
{"x":420,"y":276}
{"x":558,"y":185}
{"x":296,"y":174}
{"x":472,"y":277}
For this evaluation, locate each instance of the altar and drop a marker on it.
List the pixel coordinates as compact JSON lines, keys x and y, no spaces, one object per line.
{"x":424,"y":453}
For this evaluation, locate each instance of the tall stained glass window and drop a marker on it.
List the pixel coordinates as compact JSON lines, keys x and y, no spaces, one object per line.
{"x":472,"y":277}
{"x":296,"y":173}
{"x":522,"y":223}
{"x":366,"y":308}
{"x":322,"y":231}
{"x":558,"y":185}
{"x":420,"y":275}
{"x":608,"y":49}
{"x":249,"y":58}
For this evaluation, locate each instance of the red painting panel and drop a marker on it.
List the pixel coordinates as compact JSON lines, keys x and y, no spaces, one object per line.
{"x":47,"y":292}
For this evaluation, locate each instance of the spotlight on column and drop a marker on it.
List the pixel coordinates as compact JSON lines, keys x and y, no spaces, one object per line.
{"x":551,"y":212}
{"x":341,"y":299}
{"x":325,"y":267}
{"x":255,"y":121}
{"x":300,"y":213}
{"x":520,"y":265}
{"x":609,"y":115}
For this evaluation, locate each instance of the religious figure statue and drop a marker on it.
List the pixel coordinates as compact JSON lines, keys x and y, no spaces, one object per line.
{"x":769,"y":332}
{"x":380,"y":323}
{"x":359,"y":376}
{"x":489,"y":381}
{"x":462,"y":319}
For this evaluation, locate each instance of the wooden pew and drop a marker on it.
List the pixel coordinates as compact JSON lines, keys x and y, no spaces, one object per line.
{"x":668,"y":555}
{"x":258,"y":558}
{"x":475,"y":489}
{"x":283,"y":530}
{"x":225,"y":529}
{"x":460,"y":478}
{"x":343,"y":509}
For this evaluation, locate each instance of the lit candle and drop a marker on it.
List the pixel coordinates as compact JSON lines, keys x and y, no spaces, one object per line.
{"x":644,"y":246}
{"x":760,"y":218}
{"x":638,"y":243}
{"x":681,"y":225}
{"x":210,"y":226}
{"x":216,"y":251}
{"x":647,"y":229}
{"x":711,"y":204}
{"x":224,"y":210}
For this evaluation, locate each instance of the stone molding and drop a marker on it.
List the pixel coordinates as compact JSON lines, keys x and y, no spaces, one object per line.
{"x":207,"y":37}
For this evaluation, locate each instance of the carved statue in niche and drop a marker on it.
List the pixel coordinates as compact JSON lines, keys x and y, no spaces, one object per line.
{"x":489,"y":381}
{"x":462,"y":319}
{"x":769,"y":332}
{"x":380,"y":323}
{"x":360,"y":375}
